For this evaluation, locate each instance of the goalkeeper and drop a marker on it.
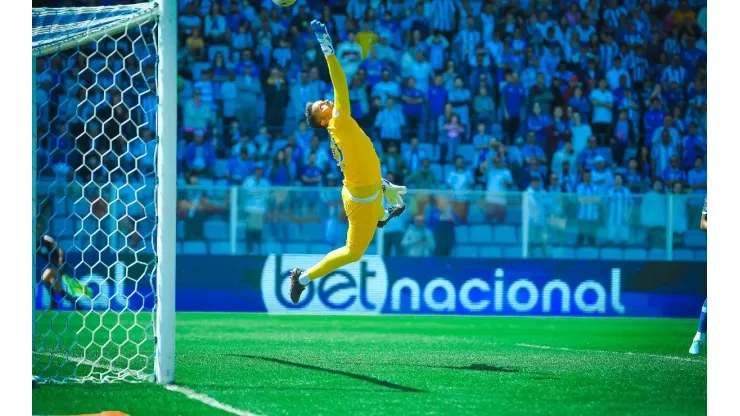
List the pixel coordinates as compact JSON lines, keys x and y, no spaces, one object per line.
{"x":363,"y":182}
{"x":50,"y":259}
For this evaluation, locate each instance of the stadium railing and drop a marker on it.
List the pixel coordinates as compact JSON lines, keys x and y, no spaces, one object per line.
{"x":218,"y":219}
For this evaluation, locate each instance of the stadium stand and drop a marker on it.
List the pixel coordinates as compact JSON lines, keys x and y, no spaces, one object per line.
{"x":513,"y":91}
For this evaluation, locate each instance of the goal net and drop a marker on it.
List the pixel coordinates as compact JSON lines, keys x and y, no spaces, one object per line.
{"x":97,"y":182}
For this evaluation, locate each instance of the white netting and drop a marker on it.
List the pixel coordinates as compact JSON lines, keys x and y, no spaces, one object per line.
{"x":96,"y":101}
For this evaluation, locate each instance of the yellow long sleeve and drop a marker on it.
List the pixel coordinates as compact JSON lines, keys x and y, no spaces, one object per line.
{"x":339,"y":80}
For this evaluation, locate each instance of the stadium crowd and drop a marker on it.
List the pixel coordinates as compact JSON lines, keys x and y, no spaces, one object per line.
{"x":589,"y":97}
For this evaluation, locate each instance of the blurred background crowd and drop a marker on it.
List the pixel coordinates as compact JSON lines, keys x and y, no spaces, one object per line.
{"x":570,"y":129}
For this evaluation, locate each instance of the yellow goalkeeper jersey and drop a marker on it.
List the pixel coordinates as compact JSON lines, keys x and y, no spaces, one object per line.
{"x":352,"y":149}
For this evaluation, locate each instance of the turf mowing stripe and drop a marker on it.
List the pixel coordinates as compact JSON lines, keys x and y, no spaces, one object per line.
{"x":190,"y":394}
{"x":640,"y":354}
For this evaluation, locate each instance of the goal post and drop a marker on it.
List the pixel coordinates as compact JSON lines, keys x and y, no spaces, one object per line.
{"x":104,"y":186}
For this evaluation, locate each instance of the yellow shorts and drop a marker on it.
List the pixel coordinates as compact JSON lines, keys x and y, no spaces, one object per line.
{"x":363,"y":215}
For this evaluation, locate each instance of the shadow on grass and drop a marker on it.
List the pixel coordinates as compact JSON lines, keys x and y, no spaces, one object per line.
{"x":478,"y":367}
{"x":356,"y":376}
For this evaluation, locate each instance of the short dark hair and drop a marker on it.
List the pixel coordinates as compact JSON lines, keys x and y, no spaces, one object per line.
{"x":311,"y":120}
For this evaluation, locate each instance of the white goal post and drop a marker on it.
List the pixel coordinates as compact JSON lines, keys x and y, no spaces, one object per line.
{"x":123,"y":248}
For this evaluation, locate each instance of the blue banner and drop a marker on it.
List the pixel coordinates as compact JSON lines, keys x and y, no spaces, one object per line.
{"x":402,"y":285}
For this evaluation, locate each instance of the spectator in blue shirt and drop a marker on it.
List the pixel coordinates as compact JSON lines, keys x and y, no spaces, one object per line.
{"x":673,"y":173}
{"x":413,"y":155}
{"x":240,"y":167}
{"x":413,"y":105}
{"x":200,"y":158}
{"x":374,"y":68}
{"x":390,"y":121}
{"x":532,"y":150}
{"x":587,"y":157}
{"x":580,"y":103}
{"x":692,"y":146}
{"x":437,"y":98}
{"x":539,"y":122}
{"x":633,"y":178}
{"x":279,"y":172}
{"x":311,"y":173}
{"x":513,"y":95}
{"x":653,"y":119}
{"x":698,"y":177}
{"x":589,"y":216}
{"x":621,"y":137}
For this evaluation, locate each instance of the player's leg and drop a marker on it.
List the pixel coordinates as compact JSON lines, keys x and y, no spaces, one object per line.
{"x":363,"y":219}
{"x":49,"y":281}
{"x":701,"y":332}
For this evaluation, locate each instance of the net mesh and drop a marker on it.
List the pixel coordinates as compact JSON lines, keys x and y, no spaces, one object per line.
{"x":96,"y":103}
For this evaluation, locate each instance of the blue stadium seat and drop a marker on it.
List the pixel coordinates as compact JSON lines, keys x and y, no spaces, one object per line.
{"x":490,"y":252}
{"x":436,"y":169}
{"x":512,"y":252}
{"x":570,"y":238}
{"x":467,"y":151}
{"x":272,"y":248}
{"x":296,"y":248}
{"x":62,"y":206}
{"x":465,"y":251}
{"x":513,"y":215}
{"x":221,"y":168}
{"x":696,"y":238}
{"x":700,"y":255}
{"x":65,"y":244}
{"x":199,"y":67}
{"x":241,"y":249}
{"x":319,"y":248}
{"x":612,"y":253}
{"x":635,"y":254}
{"x":602,"y":236}
{"x":178,"y":248}
{"x":536,"y":253}
{"x":216,"y":230}
{"x":462,"y":234}
{"x":683,"y":254}
{"x":565,"y":253}
{"x":205,"y":182}
{"x":313,"y":231}
{"x":429,"y":149}
{"x":372,"y":249}
{"x":481,"y":234}
{"x":220,"y":247}
{"x":637,"y":236}
{"x":180,"y":229}
{"x":587,"y":253}
{"x":630,"y":153}
{"x":476,"y":214}
{"x":194,"y":247}
{"x":505,"y":234}
{"x":657,"y":254}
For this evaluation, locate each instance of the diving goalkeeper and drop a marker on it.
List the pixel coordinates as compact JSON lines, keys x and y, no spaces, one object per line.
{"x":363,"y":183}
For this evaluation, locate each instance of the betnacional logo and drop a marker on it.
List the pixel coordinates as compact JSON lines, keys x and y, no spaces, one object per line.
{"x":359,"y":287}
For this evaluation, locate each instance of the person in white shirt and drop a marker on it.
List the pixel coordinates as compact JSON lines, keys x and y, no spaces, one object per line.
{"x":536,"y":205}
{"x":602,"y":101}
{"x":602,"y":178}
{"x":256,"y":189}
{"x":418,"y":241}
{"x":567,"y":153}
{"x":498,"y":182}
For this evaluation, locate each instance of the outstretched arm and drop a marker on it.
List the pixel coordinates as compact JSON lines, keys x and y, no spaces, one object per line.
{"x":338,"y":79}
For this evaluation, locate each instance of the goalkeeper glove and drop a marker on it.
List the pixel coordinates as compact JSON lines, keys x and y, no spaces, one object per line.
{"x":393,"y":192}
{"x":322,"y":35}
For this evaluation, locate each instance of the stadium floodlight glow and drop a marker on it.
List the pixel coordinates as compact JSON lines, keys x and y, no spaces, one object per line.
{"x":104,"y":186}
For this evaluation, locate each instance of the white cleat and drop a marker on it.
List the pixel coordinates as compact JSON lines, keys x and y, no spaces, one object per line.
{"x":697,"y":344}
{"x":393,"y":192}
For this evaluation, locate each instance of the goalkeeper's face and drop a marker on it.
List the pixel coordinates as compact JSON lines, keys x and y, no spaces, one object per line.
{"x":322,"y":111}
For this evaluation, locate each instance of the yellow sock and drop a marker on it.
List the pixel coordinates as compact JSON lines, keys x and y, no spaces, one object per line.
{"x":332,"y":261}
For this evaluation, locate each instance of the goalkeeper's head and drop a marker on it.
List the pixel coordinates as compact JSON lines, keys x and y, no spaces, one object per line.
{"x":318,"y":113}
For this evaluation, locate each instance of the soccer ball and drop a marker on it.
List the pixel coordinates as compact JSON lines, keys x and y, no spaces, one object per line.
{"x":284,"y":3}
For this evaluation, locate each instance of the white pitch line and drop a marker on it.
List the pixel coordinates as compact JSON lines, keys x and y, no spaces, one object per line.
{"x":190,"y":394}
{"x":639,"y":354}
{"x":210,"y":401}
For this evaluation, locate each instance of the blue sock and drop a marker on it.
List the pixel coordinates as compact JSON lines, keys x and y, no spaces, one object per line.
{"x":703,"y":319}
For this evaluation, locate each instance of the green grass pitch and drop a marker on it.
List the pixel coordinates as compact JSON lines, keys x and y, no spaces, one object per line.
{"x":400,"y":365}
